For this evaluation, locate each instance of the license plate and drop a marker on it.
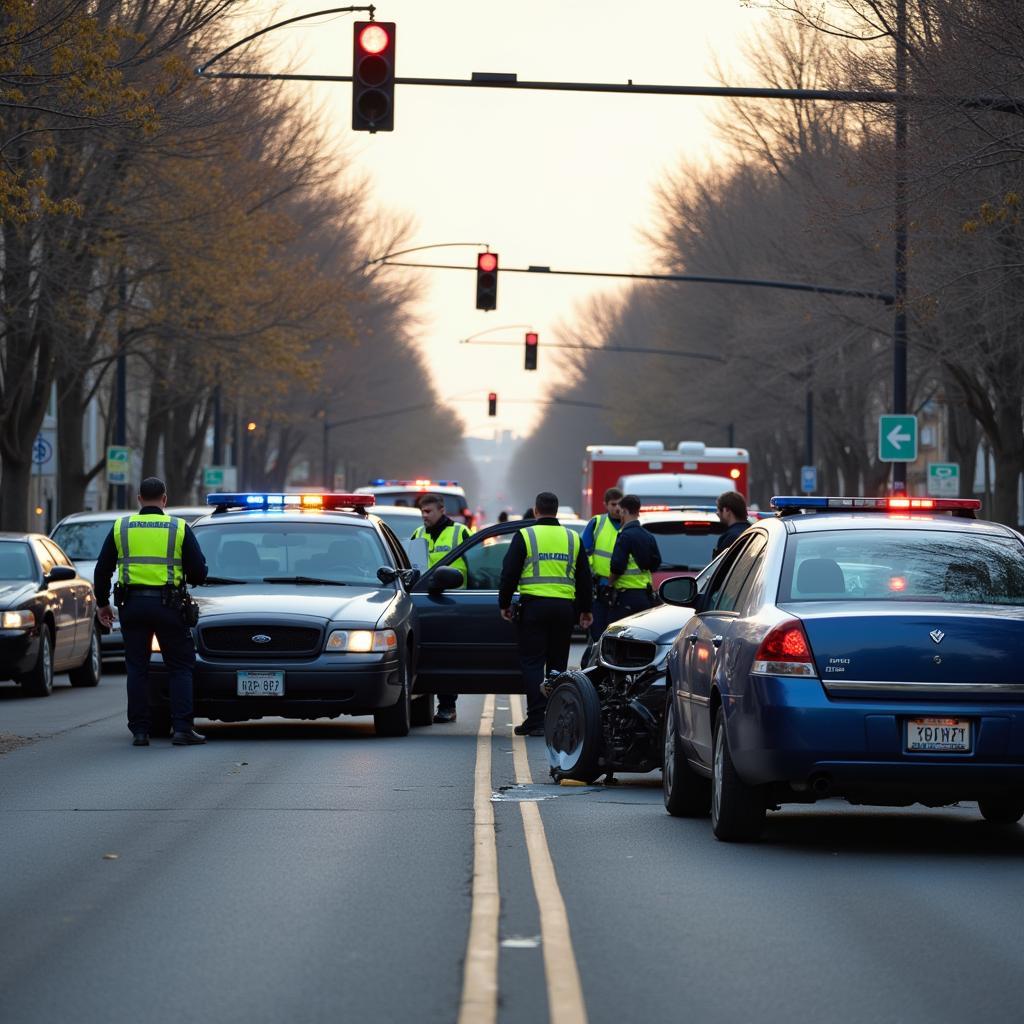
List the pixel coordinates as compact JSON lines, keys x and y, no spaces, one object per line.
{"x":261,"y":683}
{"x":939,"y":735}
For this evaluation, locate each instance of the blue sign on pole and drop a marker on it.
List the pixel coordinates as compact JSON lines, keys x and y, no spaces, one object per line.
{"x":808,"y":479}
{"x":42,"y":451}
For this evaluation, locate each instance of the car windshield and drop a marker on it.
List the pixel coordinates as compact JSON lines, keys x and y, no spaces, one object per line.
{"x":82,"y":541}
{"x":402,"y":524}
{"x":903,"y":565}
{"x":685,"y":546}
{"x":335,"y":552}
{"x":453,"y":503}
{"x":16,"y":561}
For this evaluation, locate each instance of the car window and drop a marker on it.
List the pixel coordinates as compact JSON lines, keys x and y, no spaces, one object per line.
{"x":395,"y":547}
{"x":685,"y":545}
{"x":725,"y":565}
{"x":83,"y":541}
{"x":16,"y":561}
{"x":453,"y":503}
{"x":58,"y":556}
{"x":728,"y":597}
{"x":483,"y":562}
{"x":403,"y":524}
{"x":902,"y":565}
{"x":340,"y":552}
{"x":44,"y":556}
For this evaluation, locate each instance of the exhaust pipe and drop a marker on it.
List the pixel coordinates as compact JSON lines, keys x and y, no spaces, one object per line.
{"x":821,"y":786}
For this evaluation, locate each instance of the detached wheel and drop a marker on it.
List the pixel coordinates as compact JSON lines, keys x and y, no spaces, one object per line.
{"x":396,"y":720}
{"x":737,"y":810}
{"x":1002,"y":810}
{"x":38,"y":682}
{"x":89,"y":672}
{"x":422,"y":710}
{"x":572,"y":729}
{"x":686,"y":794}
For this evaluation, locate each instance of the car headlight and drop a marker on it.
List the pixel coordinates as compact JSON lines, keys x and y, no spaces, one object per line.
{"x":154,"y":645}
{"x":362,"y":641}
{"x":22,"y":619}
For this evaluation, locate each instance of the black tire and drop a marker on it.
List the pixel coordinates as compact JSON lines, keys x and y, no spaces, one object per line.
{"x":38,"y":681}
{"x":422,"y":710}
{"x":90,"y":671}
{"x":687,"y":794}
{"x":572,"y":729}
{"x":737,"y":810}
{"x":397,"y":719}
{"x":1002,"y":810}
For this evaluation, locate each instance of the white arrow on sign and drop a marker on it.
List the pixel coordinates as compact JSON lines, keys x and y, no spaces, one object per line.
{"x":896,"y":437}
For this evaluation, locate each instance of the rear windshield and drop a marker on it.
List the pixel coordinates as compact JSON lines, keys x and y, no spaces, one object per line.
{"x":254,"y":551}
{"x":678,"y":498}
{"x":902,"y":565}
{"x":453,"y":503}
{"x":685,"y":547}
{"x":82,"y":541}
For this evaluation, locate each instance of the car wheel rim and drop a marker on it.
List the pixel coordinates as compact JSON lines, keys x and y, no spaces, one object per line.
{"x":670,"y":748}
{"x":564,"y":731}
{"x":47,"y":664}
{"x":95,"y":655}
{"x":716,"y":796}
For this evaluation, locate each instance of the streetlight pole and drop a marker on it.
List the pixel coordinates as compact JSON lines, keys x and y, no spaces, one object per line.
{"x":899,"y":327}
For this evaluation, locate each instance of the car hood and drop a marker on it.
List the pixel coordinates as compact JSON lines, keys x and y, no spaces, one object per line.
{"x":13,"y":592}
{"x":332,"y":604}
{"x":659,"y":624}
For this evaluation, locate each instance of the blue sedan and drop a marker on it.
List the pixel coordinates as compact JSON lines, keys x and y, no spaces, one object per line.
{"x":865,"y":648}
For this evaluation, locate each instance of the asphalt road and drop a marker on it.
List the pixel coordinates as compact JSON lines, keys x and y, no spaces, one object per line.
{"x":315,"y":873}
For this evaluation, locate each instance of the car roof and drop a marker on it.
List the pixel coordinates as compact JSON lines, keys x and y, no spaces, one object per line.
{"x":410,"y":510}
{"x":937,"y":522}
{"x":291,"y":515}
{"x":98,"y":516}
{"x":15,"y":535}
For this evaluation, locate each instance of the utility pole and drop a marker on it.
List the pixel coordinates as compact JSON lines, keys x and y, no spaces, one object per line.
{"x":899,"y":327}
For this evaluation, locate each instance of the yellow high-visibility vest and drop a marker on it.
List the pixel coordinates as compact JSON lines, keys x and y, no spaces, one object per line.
{"x":149,"y":549}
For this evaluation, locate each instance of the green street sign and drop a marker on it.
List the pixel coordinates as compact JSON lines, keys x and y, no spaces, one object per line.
{"x":119,"y":464}
{"x":213,"y":476}
{"x":897,"y":438}
{"x":944,"y":479}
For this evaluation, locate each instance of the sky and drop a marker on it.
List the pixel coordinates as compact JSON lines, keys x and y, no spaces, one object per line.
{"x":565,"y":180}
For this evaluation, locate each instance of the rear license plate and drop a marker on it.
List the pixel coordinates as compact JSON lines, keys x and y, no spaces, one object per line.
{"x":939,"y":735}
{"x":260,"y":683}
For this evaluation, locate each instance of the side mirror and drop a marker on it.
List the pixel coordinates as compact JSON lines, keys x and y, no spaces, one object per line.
{"x":680,"y":590}
{"x":387,"y":575}
{"x":60,"y":574}
{"x":445,"y":578}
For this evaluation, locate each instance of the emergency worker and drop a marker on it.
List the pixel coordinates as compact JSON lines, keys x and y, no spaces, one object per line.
{"x":548,"y":565}
{"x":634,"y":556}
{"x":442,"y":535}
{"x":598,"y":539}
{"x":732,"y":510}
{"x":154,"y":554}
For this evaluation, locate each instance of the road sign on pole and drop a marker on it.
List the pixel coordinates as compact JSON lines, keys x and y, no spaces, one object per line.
{"x":217,"y":478}
{"x":808,"y":479}
{"x":119,"y":465}
{"x":42,"y":451}
{"x":897,"y":438}
{"x":944,"y":479}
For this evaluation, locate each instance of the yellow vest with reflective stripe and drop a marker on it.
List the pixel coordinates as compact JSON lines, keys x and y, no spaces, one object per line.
{"x":604,"y":543}
{"x":149,"y":550}
{"x":634,"y":578}
{"x":550,"y":566}
{"x":447,"y":540}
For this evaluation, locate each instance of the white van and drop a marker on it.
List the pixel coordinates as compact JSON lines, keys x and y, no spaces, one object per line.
{"x":693,"y":489}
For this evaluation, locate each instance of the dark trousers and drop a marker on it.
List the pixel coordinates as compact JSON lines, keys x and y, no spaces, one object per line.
{"x":446,"y":701}
{"x":141,"y":617}
{"x":629,"y":602}
{"x":602,"y":614}
{"x":545,"y":633}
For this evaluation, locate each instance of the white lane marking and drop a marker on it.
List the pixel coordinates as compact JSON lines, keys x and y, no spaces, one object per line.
{"x":480,"y":976}
{"x":565,"y":994}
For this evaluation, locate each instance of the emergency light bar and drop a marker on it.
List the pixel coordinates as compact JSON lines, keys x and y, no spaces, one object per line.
{"x":263,"y":500}
{"x":794,"y":503}
{"x":414,"y":483}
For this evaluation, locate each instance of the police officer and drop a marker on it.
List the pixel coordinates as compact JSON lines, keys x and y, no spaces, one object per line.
{"x":634,"y":556}
{"x":732,"y":510}
{"x":548,"y":565}
{"x":154,"y":553}
{"x":442,"y":535}
{"x":599,"y":539}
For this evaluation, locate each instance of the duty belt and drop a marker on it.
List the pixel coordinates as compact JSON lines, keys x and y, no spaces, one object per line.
{"x":136,"y":588}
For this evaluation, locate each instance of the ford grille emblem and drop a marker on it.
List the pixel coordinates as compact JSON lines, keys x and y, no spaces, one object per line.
{"x":261,"y":638}
{"x":937,"y":635}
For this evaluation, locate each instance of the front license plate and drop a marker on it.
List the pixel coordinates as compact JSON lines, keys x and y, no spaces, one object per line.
{"x":939,"y":735}
{"x":260,"y":683}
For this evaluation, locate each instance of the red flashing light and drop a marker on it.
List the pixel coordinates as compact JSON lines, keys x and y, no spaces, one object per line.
{"x":487,"y":262}
{"x":531,"y":338}
{"x":897,"y":583}
{"x":374,"y":38}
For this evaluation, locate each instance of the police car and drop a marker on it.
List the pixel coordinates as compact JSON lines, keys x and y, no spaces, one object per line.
{"x":313,"y":609}
{"x":409,"y":492}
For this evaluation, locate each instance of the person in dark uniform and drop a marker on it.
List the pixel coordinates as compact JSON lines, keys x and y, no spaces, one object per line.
{"x":634,"y":557}
{"x":154,"y":554}
{"x":732,"y":510}
{"x":548,"y":565}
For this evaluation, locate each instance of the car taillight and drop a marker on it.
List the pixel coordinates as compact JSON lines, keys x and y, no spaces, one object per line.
{"x":785,"y":652}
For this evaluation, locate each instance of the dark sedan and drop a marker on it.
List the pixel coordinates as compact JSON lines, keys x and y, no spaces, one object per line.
{"x":47,"y":616}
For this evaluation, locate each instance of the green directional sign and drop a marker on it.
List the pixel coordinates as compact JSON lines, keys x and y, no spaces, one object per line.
{"x":897,"y":438}
{"x":119,"y":464}
{"x":213,"y":476}
{"x":944,"y":479}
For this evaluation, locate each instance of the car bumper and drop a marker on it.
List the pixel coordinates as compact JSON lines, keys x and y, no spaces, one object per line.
{"x":789,"y":730}
{"x":323,"y":687}
{"x":18,"y":652}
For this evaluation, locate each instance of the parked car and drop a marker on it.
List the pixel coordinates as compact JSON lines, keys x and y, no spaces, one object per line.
{"x":47,"y":616}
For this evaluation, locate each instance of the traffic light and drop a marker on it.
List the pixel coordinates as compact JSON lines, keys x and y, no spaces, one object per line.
{"x":531,"y":350}
{"x":492,"y":404}
{"x":487,"y":280}
{"x":373,"y":76}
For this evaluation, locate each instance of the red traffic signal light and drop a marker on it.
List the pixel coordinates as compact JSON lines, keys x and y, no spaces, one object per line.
{"x":373,"y":76}
{"x":492,"y":404}
{"x":531,"y":350}
{"x":487,"y":280}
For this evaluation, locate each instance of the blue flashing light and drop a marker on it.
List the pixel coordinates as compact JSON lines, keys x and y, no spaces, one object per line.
{"x":797,"y":501}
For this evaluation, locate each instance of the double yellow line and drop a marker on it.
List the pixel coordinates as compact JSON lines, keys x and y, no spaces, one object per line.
{"x":480,"y":978}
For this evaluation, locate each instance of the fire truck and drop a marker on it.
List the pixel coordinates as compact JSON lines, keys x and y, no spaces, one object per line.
{"x":610,"y":465}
